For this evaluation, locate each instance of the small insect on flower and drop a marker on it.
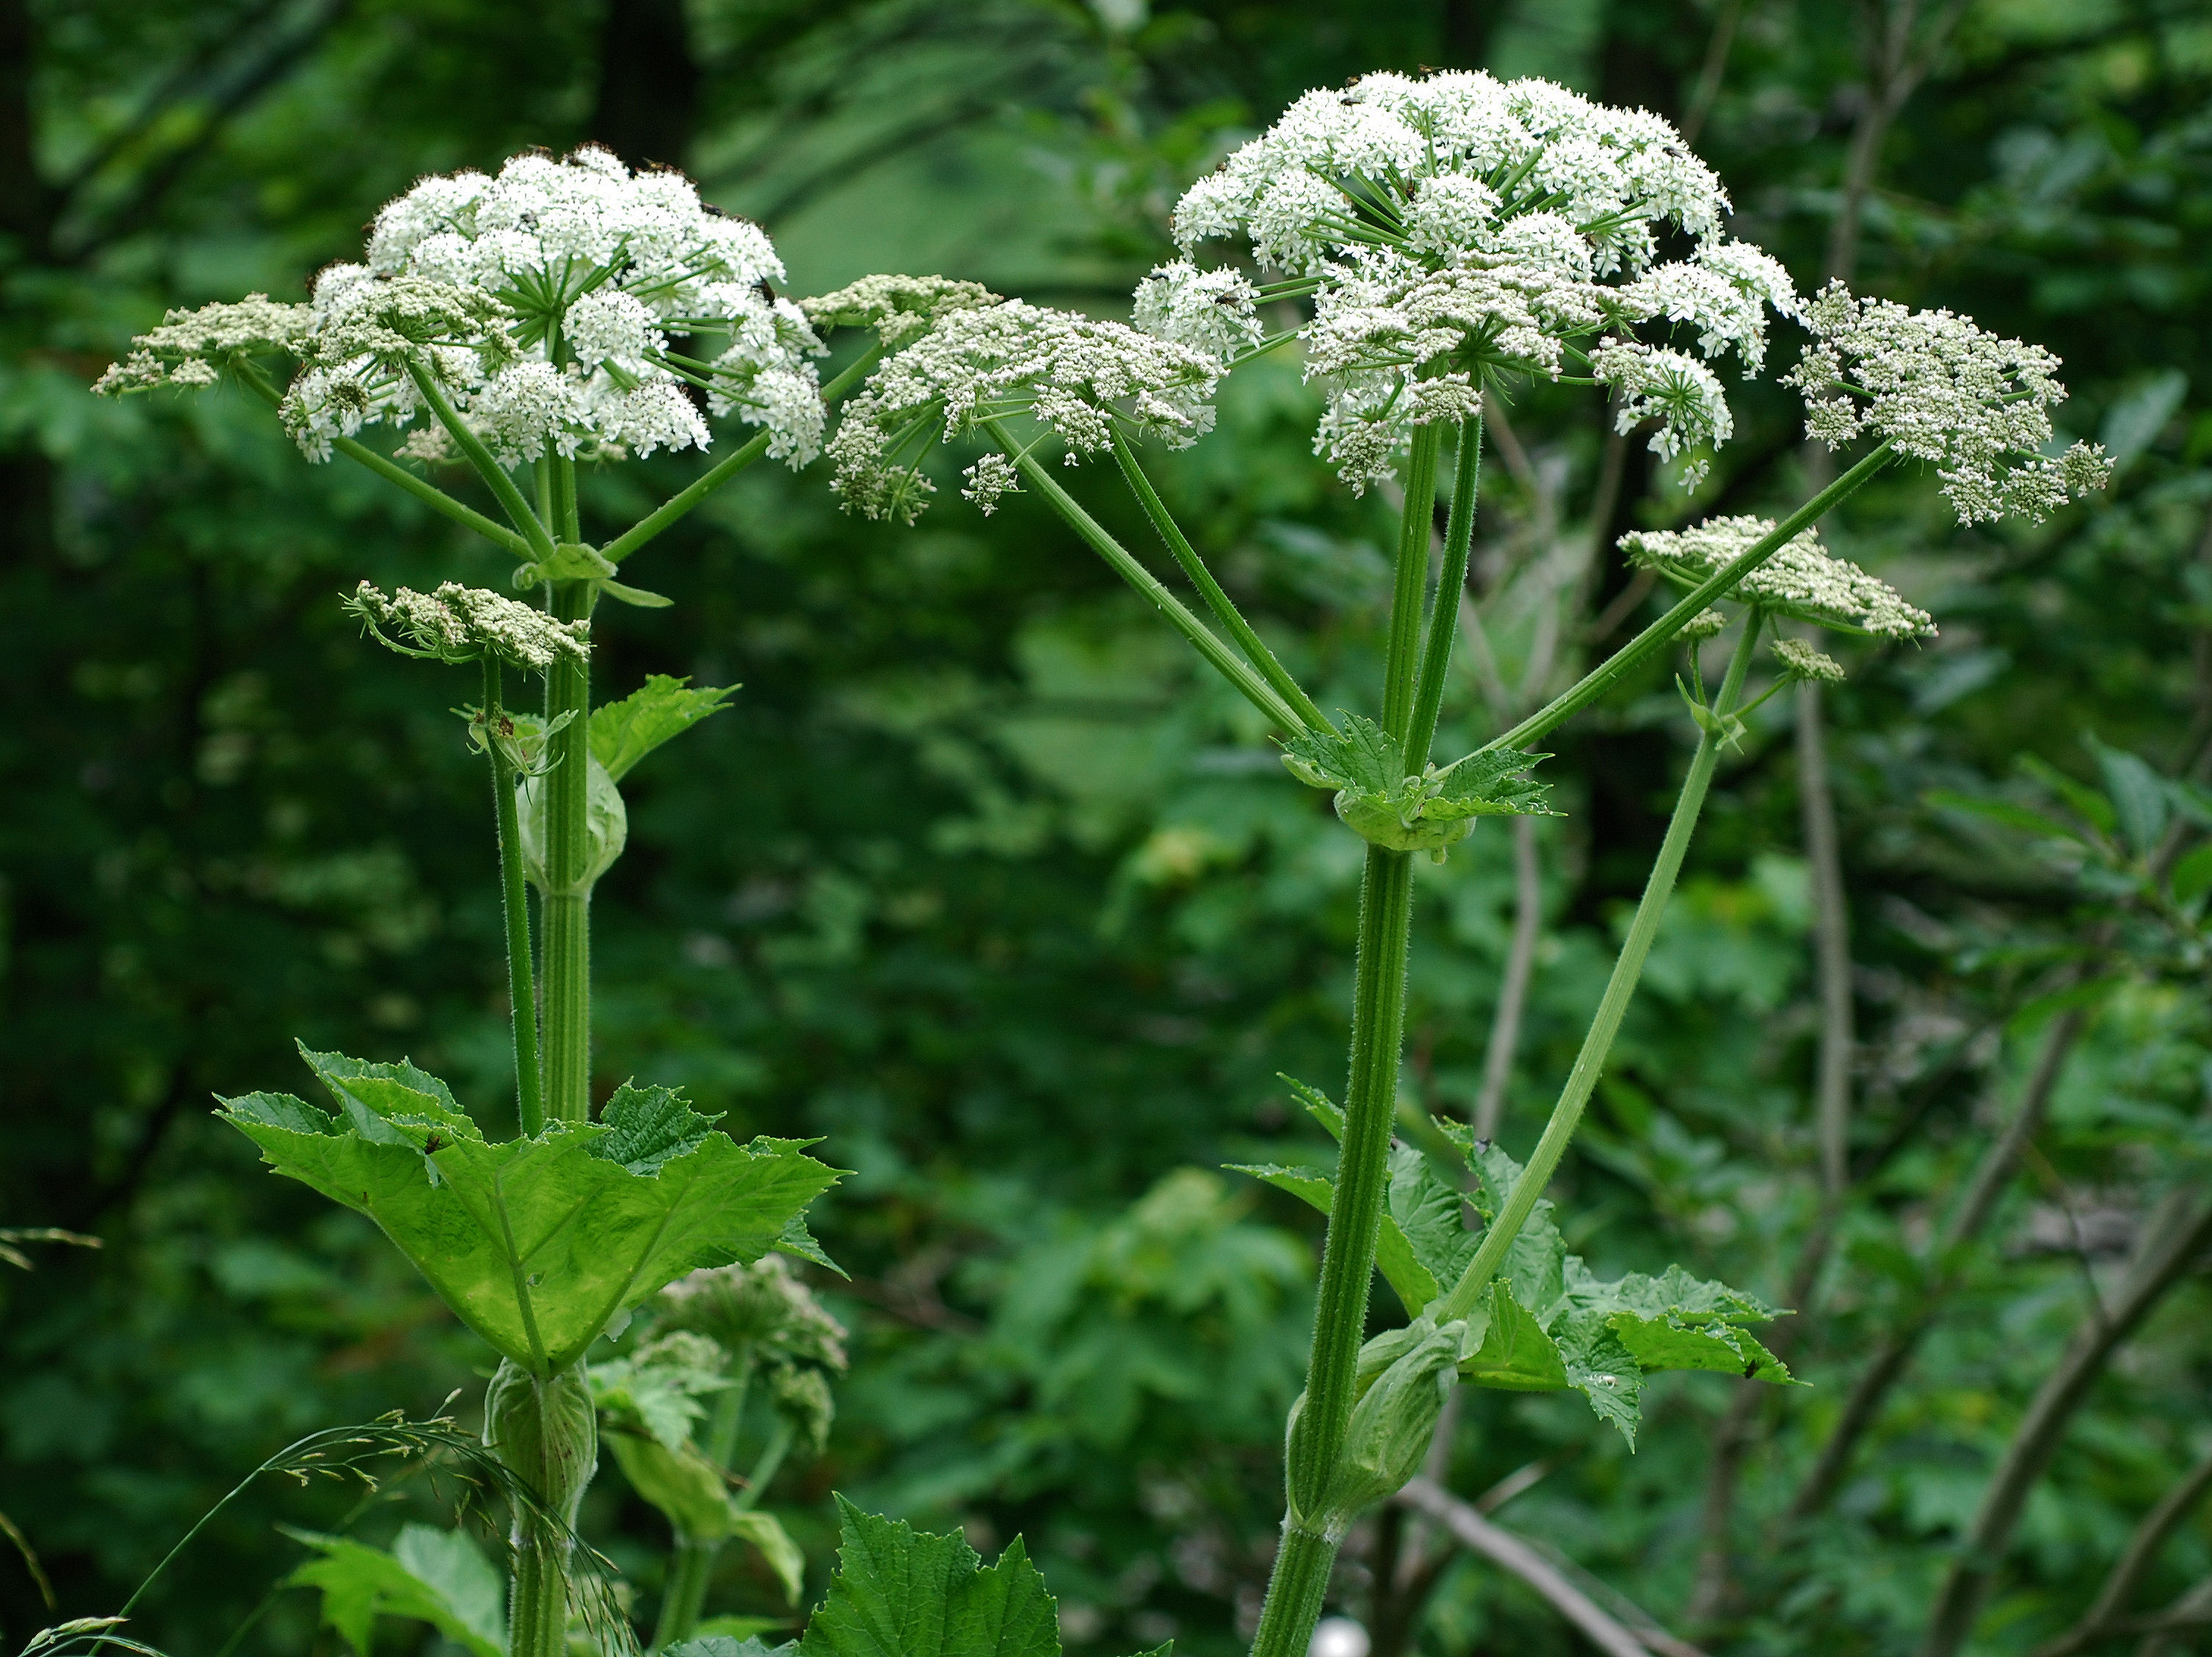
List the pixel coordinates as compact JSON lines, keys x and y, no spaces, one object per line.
{"x":1941,"y":390}
{"x":466,"y":624}
{"x":1800,"y":580}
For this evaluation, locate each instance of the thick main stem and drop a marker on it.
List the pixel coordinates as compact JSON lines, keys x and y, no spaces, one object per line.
{"x":1619,"y":990}
{"x":515,"y":902}
{"x":1347,"y":1262}
{"x":567,"y":896}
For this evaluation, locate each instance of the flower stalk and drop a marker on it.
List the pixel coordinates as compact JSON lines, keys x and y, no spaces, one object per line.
{"x":515,"y":902}
{"x":1619,"y":990}
{"x":567,"y":898}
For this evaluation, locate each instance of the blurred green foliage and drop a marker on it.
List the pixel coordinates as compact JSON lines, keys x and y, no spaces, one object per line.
{"x":980,"y":880}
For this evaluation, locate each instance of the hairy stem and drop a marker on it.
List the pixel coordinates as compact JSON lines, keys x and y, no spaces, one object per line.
{"x":673,"y":509}
{"x":421,"y":488}
{"x":1224,"y":610}
{"x":493,"y":475}
{"x":1603,"y":677}
{"x":515,"y":902}
{"x":1399,"y":682}
{"x":1224,"y":660}
{"x":1451,"y":584}
{"x":1589,"y":1063}
{"x":567,"y":897}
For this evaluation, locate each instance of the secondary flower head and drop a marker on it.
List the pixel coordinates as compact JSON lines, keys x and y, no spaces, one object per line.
{"x":1801,"y":661}
{"x":1078,"y":376}
{"x":1454,"y":228}
{"x":466,"y":624}
{"x":542,"y":305}
{"x":1941,"y":390}
{"x":1800,"y":580}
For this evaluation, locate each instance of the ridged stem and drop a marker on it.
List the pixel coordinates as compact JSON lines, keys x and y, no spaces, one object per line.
{"x":1444,"y":615}
{"x":1400,"y":664}
{"x":1619,"y":991}
{"x":515,"y":903}
{"x":567,"y":897}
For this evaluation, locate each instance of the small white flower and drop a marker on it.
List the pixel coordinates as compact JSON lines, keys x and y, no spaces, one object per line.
{"x":613,"y":324}
{"x":896,"y":307}
{"x":1800,"y":579}
{"x":990,"y":477}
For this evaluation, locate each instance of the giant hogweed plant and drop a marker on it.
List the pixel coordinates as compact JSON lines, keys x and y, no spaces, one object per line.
{"x":1426,"y":244}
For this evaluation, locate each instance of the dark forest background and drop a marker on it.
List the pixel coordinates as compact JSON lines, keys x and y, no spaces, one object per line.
{"x":979,"y":880}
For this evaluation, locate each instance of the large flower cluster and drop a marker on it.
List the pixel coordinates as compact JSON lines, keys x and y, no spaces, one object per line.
{"x":546,"y":304}
{"x":464,"y":624}
{"x":1943,"y":390}
{"x":1453,"y":228}
{"x":1077,"y":375}
{"x":1800,"y":580}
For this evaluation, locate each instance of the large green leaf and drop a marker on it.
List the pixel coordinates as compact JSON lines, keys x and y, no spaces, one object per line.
{"x":901,"y":1592}
{"x":624,"y":732}
{"x":537,"y":1243}
{"x":1547,"y":1323}
{"x":435,"y":1577}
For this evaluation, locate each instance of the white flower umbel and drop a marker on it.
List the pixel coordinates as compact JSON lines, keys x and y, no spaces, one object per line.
{"x":1799,"y":580}
{"x":1454,"y":228}
{"x":1078,"y":376}
{"x":464,"y":624}
{"x":547,"y":302}
{"x":1943,"y":390}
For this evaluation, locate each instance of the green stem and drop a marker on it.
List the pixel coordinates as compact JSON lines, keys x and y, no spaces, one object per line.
{"x":567,"y":897}
{"x":538,"y":1597}
{"x":766,"y":1467}
{"x":1444,"y":615}
{"x":691,"y":1564}
{"x":684,"y":500}
{"x":1619,"y":990}
{"x":493,"y":475}
{"x":422,"y":489}
{"x":1601,"y":678}
{"x":1412,"y":578}
{"x":1347,"y":1261}
{"x":1225,"y":661}
{"x":514,"y":900}
{"x":1248,"y":641}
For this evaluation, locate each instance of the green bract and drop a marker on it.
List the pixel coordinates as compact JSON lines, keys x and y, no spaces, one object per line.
{"x":535,"y":1243}
{"x":1547,"y":1322}
{"x":1430,"y":812}
{"x":439,"y":1577}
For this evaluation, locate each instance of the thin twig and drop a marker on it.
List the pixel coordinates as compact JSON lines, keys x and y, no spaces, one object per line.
{"x":1510,"y":1552}
{"x":2142,"y":1548}
{"x":2171,"y":1239}
{"x":1513,"y":992}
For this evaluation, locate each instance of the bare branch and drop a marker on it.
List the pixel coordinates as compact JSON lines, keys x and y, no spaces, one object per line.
{"x":2150,"y":1536}
{"x":2177,"y":1231}
{"x":1513,"y":992}
{"x":1510,"y":1552}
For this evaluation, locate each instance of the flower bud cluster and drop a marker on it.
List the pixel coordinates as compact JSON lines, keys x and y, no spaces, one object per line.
{"x":896,"y":307}
{"x":1800,"y":579}
{"x":543,"y":303}
{"x":464,"y":624}
{"x":1941,"y":390}
{"x":1801,"y":661}
{"x":1077,"y":375}
{"x":1453,"y":226}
